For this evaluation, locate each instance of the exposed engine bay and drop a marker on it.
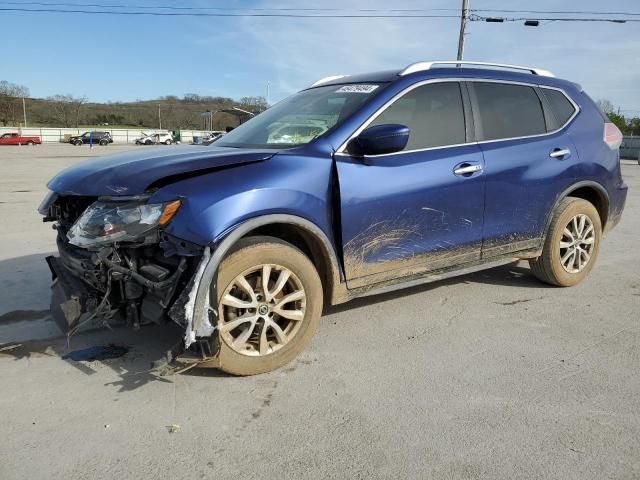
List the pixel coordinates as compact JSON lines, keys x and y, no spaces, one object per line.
{"x":115,"y":262}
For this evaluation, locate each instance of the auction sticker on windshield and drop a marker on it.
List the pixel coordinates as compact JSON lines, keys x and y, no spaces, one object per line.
{"x":357,"y":89}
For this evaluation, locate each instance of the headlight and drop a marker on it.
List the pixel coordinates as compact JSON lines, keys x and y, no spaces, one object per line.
{"x":107,"y":222}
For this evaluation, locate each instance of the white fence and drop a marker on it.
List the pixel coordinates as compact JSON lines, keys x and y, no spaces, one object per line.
{"x":119,"y":135}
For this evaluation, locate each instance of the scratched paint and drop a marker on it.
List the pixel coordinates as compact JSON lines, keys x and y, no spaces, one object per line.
{"x":389,"y":237}
{"x":388,"y":245}
{"x":420,"y":243}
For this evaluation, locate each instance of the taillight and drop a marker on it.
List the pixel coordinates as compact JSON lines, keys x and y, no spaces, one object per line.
{"x":612,"y":136}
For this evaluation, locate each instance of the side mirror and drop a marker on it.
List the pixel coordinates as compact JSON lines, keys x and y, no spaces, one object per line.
{"x":388,"y":138}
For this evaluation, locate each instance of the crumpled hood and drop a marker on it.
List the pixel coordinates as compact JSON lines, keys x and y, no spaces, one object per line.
{"x":131,"y":173}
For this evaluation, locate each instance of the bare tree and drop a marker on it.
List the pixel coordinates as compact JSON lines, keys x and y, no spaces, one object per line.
{"x":66,"y":109}
{"x":254,"y":104}
{"x":10,"y":95}
{"x":606,"y":106}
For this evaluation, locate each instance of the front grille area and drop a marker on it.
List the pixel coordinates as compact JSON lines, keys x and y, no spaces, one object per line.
{"x":67,"y":209}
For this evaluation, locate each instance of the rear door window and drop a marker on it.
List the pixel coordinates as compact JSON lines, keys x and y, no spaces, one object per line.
{"x":434,"y":114}
{"x":562,"y":108}
{"x":508,"y":110}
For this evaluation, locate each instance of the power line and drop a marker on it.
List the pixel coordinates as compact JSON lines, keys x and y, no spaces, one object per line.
{"x":473,"y":17}
{"x":480,"y":18}
{"x":210,"y":14}
{"x":556,"y":12}
{"x":253,"y":9}
{"x":308,"y":9}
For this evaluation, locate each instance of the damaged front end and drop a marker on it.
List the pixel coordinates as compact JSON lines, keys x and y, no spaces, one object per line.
{"x":117,"y":264}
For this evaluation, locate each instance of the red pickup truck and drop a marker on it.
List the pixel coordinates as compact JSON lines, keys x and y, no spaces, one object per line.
{"x":17,"y":139}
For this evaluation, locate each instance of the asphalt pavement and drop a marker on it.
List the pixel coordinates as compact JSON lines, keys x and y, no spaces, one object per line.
{"x":489,"y":375}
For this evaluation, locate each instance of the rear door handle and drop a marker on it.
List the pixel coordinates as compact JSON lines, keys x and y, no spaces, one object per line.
{"x":560,"y":153}
{"x":466,"y":169}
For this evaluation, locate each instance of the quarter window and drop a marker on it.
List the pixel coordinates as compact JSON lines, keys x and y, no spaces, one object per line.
{"x":508,"y":111}
{"x":433,"y":113}
{"x":562,"y":108}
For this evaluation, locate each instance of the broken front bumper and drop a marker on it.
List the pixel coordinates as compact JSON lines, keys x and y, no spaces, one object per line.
{"x":71,"y":298}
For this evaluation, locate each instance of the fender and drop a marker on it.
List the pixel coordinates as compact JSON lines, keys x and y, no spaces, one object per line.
{"x":205,"y":302}
{"x":574,"y":186}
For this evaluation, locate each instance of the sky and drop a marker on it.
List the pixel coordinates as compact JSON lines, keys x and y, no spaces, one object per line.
{"x":124,"y":58}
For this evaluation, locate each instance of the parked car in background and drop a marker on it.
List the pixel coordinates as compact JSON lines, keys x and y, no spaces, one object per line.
{"x":154,"y":139}
{"x":100,"y":138}
{"x":17,"y":139}
{"x":406,"y":176}
{"x":211,"y":137}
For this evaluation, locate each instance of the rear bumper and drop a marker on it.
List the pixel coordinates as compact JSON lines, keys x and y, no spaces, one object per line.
{"x":617,"y":201}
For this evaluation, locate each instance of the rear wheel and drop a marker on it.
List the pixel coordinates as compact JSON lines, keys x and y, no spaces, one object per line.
{"x":167,"y":142}
{"x":572,"y":244}
{"x":77,"y":143}
{"x":270,"y":303}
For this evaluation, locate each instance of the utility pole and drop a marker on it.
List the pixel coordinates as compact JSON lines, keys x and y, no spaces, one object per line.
{"x":159,"y":118}
{"x":24,"y":113}
{"x":463,"y":26}
{"x":268,"y":88}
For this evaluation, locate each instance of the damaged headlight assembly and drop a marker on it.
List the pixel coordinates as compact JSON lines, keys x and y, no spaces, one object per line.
{"x":107,"y":222}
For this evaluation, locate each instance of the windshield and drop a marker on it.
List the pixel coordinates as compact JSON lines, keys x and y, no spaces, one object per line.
{"x":302,"y":117}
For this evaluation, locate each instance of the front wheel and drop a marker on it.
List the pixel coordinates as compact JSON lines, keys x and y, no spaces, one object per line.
{"x":104,"y":143}
{"x":30,"y":143}
{"x":572,"y":244}
{"x":270,"y":303}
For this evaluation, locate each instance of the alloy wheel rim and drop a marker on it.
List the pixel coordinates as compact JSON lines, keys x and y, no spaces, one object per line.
{"x":261,"y":310}
{"x":577,"y":243}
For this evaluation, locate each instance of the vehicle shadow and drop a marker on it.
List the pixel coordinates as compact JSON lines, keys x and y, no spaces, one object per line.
{"x":513,"y":274}
{"x":133,"y":368}
{"x":25,"y":295}
{"x":27,"y":330}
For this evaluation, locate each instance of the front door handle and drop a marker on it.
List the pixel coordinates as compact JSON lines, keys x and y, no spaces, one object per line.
{"x":466,"y":169}
{"x":560,"y":153}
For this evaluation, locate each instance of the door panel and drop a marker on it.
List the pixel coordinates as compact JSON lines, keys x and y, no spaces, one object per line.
{"x":523,"y":183}
{"x":409,"y":212}
{"x":525,"y":175}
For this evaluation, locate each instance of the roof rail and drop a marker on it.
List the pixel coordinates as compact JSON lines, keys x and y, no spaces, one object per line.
{"x":422,"y":66}
{"x":328,"y":79}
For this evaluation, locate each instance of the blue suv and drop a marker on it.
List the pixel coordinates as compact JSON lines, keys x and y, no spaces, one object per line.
{"x":356,"y":185}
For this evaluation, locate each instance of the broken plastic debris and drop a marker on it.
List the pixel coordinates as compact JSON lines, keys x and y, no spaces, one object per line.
{"x":102,"y":352}
{"x":174,"y":428}
{"x":190,"y":334}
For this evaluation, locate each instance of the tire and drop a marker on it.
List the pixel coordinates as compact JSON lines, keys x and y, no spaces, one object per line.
{"x":77,"y":143}
{"x":167,"y":142}
{"x":249,"y":258}
{"x":30,"y":143}
{"x":104,"y":143}
{"x":549,"y":266}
